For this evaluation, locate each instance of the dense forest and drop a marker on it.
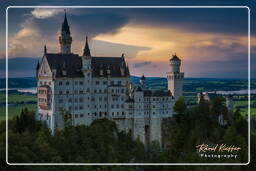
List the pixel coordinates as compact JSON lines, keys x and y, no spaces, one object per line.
{"x":101,"y":142}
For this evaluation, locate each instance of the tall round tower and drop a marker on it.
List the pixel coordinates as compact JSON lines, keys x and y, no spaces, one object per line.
{"x":175,"y":77}
{"x":65,"y":38}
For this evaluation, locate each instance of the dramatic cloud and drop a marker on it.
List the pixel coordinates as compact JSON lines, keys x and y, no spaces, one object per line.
{"x":45,"y":13}
{"x":148,"y":37}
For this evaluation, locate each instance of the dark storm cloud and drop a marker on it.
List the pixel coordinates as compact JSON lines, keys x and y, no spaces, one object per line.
{"x":141,"y":64}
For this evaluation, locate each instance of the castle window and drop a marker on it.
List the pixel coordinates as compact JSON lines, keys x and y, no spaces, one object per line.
{"x":70,"y":100}
{"x":113,"y":113}
{"x":75,"y":100}
{"x":100,"y":91}
{"x":81,"y":91}
{"x":100,"y":114}
{"x":60,"y":100}
{"x":105,"y":82}
{"x":112,"y":106}
{"x":95,"y":114}
{"x":95,"y":91}
{"x":117,"y":106}
{"x":112,"y":82}
{"x":81,"y":82}
{"x":122,"y":90}
{"x":88,"y":74}
{"x":112,"y":90}
{"x":105,"y":98}
{"x":119,"y":82}
{"x":100,"y":98}
{"x":97,"y":82}
{"x":81,"y":99}
{"x":95,"y":106}
{"x":122,"y":113}
{"x":67,"y":92}
{"x":105,"y":91}
{"x":88,"y":90}
{"x":76,"y":115}
{"x":70,"y":108}
{"x":93,"y":99}
{"x":60,"y":92}
{"x":75,"y":82}
{"x":76,"y":91}
{"x":81,"y":115}
{"x":75,"y":107}
{"x":122,"y":106}
{"x":67,"y":83}
{"x":118,"y":113}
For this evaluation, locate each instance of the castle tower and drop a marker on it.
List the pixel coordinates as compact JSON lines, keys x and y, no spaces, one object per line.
{"x":87,"y":72}
{"x":175,"y":77}
{"x":86,"y":57}
{"x":65,"y":39}
{"x":142,"y":81}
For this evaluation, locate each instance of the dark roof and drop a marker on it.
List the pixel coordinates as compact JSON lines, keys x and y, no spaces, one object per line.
{"x":156,"y":93}
{"x":129,"y":100}
{"x":138,"y":88}
{"x":71,"y":63}
{"x":175,"y":58}
{"x":65,"y":26}
{"x":114,"y":64}
{"x":86,"y":48}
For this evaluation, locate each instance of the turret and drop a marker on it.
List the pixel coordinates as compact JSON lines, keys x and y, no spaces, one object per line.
{"x":175,"y":77}
{"x":86,"y":57}
{"x":65,"y":38}
{"x":142,"y":81}
{"x":175,"y":63}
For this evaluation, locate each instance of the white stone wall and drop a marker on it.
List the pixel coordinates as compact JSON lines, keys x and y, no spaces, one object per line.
{"x":175,"y":84}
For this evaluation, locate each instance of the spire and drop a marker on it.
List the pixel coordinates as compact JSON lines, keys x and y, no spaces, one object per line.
{"x":143,"y":77}
{"x":45,"y":49}
{"x":86,"y":48}
{"x":65,"y":26}
{"x":38,"y":65}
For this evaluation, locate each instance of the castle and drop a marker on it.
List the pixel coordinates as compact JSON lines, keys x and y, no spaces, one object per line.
{"x":90,"y":88}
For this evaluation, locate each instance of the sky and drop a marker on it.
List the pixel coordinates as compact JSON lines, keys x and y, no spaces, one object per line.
{"x":211,"y":42}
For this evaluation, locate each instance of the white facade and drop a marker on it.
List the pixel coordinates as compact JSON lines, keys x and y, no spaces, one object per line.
{"x":91,"y":88}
